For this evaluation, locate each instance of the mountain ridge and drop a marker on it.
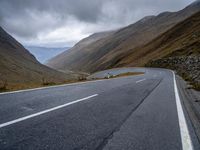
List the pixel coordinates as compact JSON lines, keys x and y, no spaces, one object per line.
{"x":109,"y":50}
{"x":20,"y":69}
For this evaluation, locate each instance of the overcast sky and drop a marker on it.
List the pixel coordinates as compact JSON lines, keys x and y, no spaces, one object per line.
{"x":62,"y":23}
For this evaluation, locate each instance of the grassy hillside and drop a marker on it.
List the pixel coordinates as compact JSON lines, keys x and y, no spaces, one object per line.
{"x":182,"y":39}
{"x":177,"y":49}
{"x":115,"y":49}
{"x":19,"y":69}
{"x":76,"y":56}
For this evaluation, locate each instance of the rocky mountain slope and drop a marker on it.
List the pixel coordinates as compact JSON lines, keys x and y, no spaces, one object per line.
{"x":113,"y":49}
{"x":20,"y":69}
{"x":177,"y":49}
{"x":182,"y":39}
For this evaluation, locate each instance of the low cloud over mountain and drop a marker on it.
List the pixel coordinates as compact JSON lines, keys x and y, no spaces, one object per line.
{"x":62,"y":23}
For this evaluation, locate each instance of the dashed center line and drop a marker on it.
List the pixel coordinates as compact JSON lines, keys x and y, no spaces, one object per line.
{"x":140,"y":80}
{"x":45,"y":111}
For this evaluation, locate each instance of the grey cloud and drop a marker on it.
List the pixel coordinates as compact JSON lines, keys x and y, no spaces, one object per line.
{"x":29,"y":18}
{"x":19,"y":16}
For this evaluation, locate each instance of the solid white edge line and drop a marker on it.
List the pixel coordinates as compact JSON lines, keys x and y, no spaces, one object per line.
{"x":140,"y":80}
{"x":45,"y":111}
{"x":185,"y":136}
{"x":41,"y":88}
{"x":69,"y":84}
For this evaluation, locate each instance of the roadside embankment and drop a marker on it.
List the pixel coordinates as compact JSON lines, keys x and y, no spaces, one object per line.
{"x":187,"y":67}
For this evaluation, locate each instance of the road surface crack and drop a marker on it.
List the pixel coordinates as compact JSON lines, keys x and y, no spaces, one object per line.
{"x":103,"y":142}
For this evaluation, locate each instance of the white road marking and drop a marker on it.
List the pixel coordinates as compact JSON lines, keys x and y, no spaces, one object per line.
{"x":45,"y":111}
{"x":185,"y":136}
{"x":41,"y":88}
{"x":140,"y":80}
{"x":69,"y":84}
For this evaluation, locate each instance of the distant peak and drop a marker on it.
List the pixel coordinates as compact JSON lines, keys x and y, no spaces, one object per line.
{"x":197,"y":2}
{"x":164,"y":13}
{"x":147,"y":18}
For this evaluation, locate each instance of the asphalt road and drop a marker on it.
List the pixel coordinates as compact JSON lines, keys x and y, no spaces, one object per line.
{"x":136,"y":112}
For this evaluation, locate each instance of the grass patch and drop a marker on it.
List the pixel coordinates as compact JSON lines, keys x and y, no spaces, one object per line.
{"x":129,"y":74}
{"x":2,"y":89}
{"x":124,"y":75}
{"x":196,"y":86}
{"x":186,"y":77}
{"x":6,"y":87}
{"x":3,"y":86}
{"x":49,"y":84}
{"x":23,"y":86}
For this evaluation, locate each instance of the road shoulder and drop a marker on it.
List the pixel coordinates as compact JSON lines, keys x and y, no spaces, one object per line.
{"x":191,"y":101}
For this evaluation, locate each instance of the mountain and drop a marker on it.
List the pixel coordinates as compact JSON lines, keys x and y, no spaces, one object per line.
{"x":20,"y":69}
{"x":181,"y":40}
{"x":177,"y":49}
{"x":45,"y":53}
{"x":70,"y":58}
{"x":111,"y":49}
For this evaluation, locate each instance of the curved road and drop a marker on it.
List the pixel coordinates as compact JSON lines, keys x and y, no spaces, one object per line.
{"x":137,"y":112}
